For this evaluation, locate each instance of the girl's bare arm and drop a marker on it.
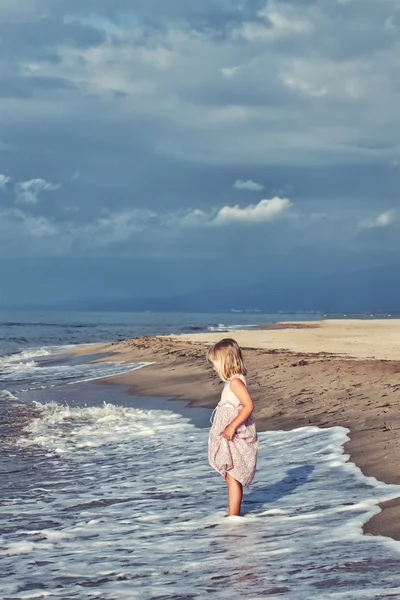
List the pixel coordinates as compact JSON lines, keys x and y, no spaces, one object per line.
{"x":241,"y":392}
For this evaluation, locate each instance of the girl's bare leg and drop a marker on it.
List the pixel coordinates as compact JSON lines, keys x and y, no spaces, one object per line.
{"x":235,"y":495}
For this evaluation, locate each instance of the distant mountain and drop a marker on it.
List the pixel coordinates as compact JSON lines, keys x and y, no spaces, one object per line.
{"x":369,"y":290}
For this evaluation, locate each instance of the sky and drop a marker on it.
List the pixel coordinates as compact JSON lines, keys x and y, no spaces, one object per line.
{"x":157,"y":148}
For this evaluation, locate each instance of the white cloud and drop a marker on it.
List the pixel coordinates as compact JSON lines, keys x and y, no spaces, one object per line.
{"x":382,"y":220}
{"x":284,"y":19}
{"x":113,"y":227}
{"x":228,"y":114}
{"x":323,"y":77}
{"x":38,"y":226}
{"x":229,"y":72}
{"x":27,"y":191}
{"x":296,"y":83}
{"x":250,"y":185}
{"x":390,"y":23}
{"x":3,"y":182}
{"x":120,"y":226}
{"x":266,"y":210}
{"x":160,"y":58}
{"x":275,"y":21}
{"x":126,"y":67}
{"x":189,"y":218}
{"x":104,"y":231}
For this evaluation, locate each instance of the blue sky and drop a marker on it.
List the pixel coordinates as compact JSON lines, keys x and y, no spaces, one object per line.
{"x":171,"y":146}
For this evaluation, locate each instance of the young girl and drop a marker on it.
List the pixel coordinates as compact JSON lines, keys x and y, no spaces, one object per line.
{"x":232,"y":444}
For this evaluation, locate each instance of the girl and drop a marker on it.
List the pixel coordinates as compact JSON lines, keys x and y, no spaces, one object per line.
{"x":232,"y":444}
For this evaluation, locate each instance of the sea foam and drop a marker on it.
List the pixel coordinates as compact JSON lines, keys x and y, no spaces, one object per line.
{"x":22,"y":373}
{"x":128,"y":508}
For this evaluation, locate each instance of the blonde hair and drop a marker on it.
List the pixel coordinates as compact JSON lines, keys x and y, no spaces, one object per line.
{"x":226,"y":357}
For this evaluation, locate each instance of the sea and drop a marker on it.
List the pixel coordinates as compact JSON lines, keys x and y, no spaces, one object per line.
{"x":108,"y":496}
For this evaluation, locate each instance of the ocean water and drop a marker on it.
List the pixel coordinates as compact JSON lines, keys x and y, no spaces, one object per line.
{"x":109,"y":497}
{"x":20,"y":330}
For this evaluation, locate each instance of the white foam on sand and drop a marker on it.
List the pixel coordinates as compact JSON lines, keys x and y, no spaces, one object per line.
{"x":130,"y":509}
{"x":221,"y":327}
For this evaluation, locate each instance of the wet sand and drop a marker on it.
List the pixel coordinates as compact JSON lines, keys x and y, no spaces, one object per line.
{"x":325,"y":373}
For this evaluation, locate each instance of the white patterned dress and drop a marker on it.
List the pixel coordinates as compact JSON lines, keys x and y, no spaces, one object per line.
{"x":237,"y":457}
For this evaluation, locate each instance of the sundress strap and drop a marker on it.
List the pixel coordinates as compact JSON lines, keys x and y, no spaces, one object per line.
{"x":213,"y":415}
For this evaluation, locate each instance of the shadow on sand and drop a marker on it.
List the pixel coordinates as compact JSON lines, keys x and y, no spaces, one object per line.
{"x":259,"y":496}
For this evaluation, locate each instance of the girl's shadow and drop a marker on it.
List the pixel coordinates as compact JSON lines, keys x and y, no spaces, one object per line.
{"x":294,"y":478}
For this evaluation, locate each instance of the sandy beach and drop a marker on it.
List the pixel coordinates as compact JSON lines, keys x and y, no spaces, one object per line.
{"x":324,"y":373}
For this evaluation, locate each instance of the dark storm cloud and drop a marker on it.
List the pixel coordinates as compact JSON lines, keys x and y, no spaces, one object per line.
{"x":37,"y":38}
{"x":206,"y":14}
{"x":142,"y":115}
{"x":28,"y":87}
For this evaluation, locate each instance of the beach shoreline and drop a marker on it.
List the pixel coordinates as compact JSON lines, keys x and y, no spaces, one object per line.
{"x":325,"y":373}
